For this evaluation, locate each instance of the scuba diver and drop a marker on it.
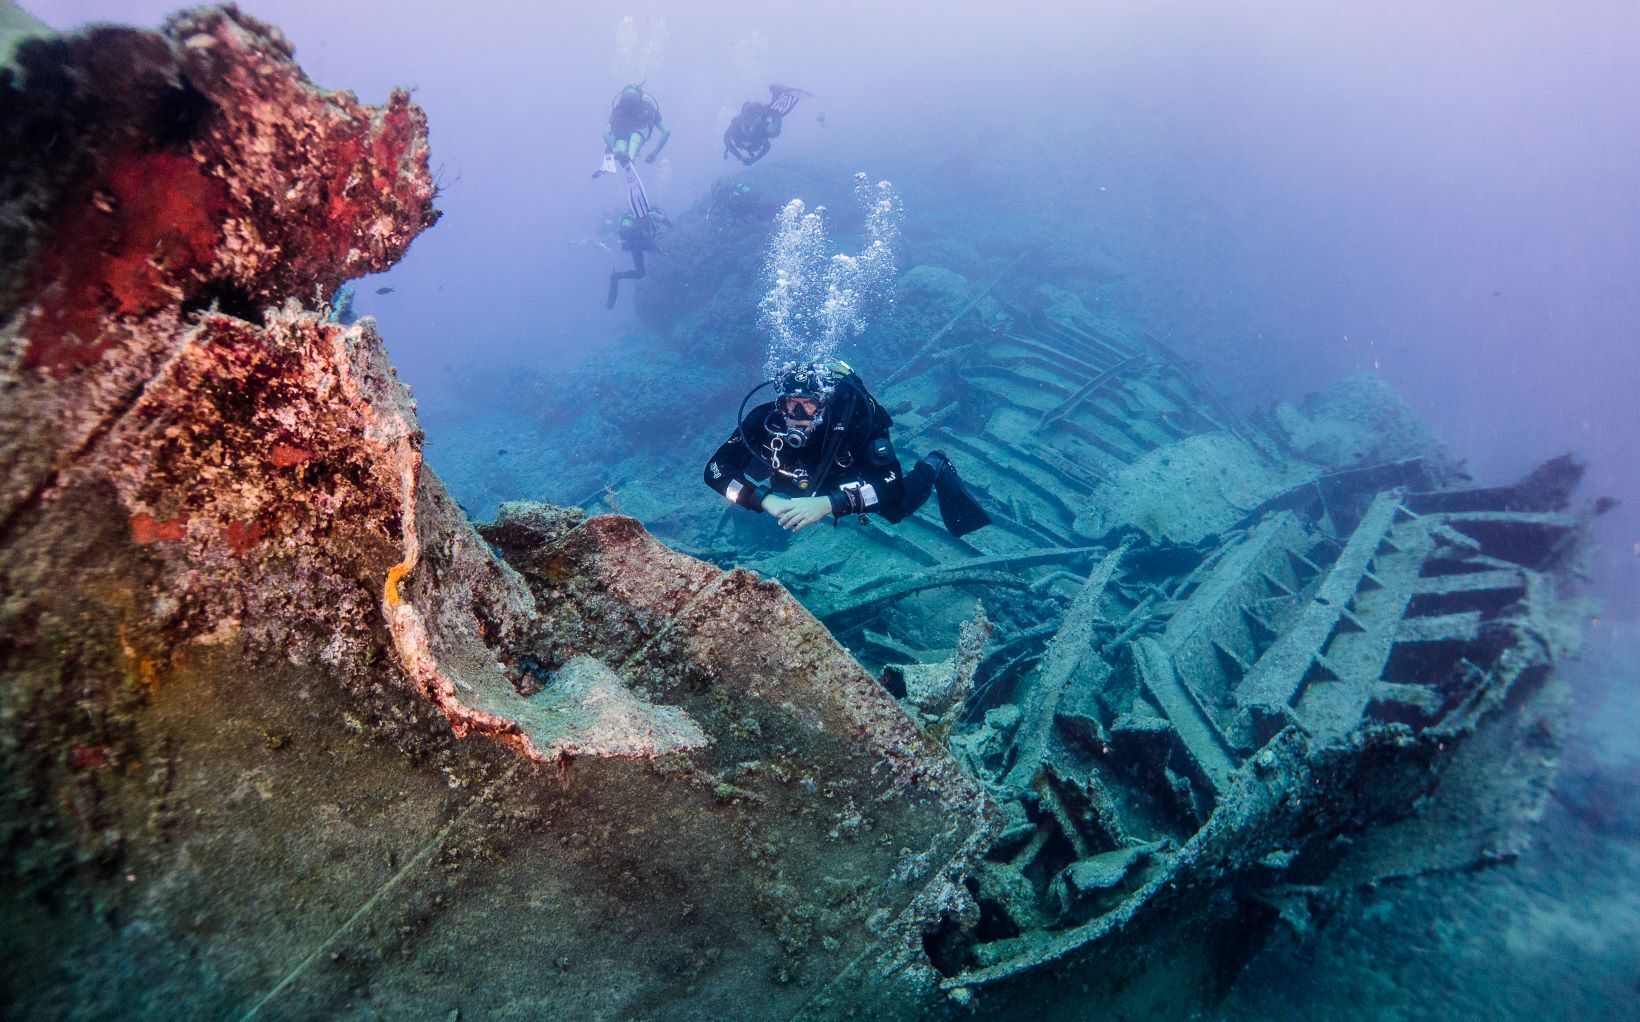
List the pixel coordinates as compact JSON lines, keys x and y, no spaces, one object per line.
{"x":736,"y":200}
{"x":633,"y":117}
{"x":637,"y":233}
{"x":823,"y":447}
{"x":747,"y":137}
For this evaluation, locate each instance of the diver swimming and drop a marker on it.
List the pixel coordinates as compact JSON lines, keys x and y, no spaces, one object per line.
{"x":822,"y":447}
{"x":737,"y":200}
{"x":634,"y":117}
{"x":638,"y":235}
{"x":747,"y":137}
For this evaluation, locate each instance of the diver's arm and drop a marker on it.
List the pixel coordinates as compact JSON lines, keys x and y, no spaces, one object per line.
{"x":726,"y":473}
{"x":877,"y":488}
{"x":753,"y":155}
{"x":609,"y":134}
{"x":875,"y":493}
{"x":666,"y":133}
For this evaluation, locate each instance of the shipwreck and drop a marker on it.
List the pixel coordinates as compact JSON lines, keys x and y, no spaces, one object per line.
{"x":283,"y":734}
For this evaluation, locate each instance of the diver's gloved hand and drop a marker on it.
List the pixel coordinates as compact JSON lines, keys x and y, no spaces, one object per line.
{"x":650,"y":158}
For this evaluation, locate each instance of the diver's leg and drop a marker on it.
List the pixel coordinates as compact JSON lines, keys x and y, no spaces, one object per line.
{"x":919,"y":483}
{"x":615,"y":278}
{"x":960,"y":512}
{"x":958,"y":509}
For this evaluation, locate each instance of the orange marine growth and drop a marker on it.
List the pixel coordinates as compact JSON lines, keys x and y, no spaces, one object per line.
{"x":395,"y":575}
{"x":286,"y":455}
{"x":146,"y":529}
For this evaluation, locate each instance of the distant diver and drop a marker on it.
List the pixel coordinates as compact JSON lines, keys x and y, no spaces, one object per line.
{"x":738,"y":200}
{"x":747,"y":137}
{"x":638,"y":235}
{"x":824,"y":449}
{"x":633,"y":117}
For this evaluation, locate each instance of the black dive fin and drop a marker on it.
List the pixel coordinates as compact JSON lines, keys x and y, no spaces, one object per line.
{"x":960,"y":512}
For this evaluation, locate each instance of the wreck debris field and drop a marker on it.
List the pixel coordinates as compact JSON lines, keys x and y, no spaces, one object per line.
{"x":1180,"y":557}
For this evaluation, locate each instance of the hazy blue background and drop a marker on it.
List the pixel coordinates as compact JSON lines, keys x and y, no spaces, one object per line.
{"x":1444,"y":193}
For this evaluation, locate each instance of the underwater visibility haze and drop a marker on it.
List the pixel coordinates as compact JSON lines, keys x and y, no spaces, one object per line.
{"x":912,"y":510}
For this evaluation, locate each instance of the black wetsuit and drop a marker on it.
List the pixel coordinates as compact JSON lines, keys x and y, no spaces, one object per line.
{"x":747,"y":137}
{"x":637,"y":237}
{"x":633,"y":115}
{"x":849,"y":460}
{"x":734,"y":200}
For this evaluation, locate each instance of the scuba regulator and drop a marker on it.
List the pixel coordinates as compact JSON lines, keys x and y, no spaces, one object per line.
{"x":820,"y":381}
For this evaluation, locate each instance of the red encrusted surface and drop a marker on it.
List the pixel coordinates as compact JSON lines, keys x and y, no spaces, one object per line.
{"x":269,"y":188}
{"x":151,"y":227}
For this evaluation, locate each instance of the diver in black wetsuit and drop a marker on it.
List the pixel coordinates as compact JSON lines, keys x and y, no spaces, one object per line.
{"x":824,"y":449}
{"x":734,"y":200}
{"x":747,"y":137}
{"x":638,"y":235}
{"x":633,"y":117}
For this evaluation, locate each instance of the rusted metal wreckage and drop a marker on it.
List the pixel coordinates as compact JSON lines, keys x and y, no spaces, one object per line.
{"x":1234,"y":666}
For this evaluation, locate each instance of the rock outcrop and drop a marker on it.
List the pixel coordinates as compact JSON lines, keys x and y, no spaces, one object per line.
{"x":280,"y":732}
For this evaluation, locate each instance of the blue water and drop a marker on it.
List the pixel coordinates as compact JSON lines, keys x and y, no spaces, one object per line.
{"x":1286,"y":193}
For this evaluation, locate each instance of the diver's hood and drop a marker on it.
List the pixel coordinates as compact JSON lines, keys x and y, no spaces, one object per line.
{"x":816,"y":381}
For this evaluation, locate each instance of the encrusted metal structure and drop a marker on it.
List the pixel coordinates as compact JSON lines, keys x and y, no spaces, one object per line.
{"x":1225,"y":653}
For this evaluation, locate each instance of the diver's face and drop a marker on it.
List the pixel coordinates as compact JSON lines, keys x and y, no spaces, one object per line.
{"x":799,"y":410}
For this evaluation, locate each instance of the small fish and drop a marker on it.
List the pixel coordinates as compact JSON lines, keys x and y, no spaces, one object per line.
{"x":384,"y":290}
{"x":820,"y":119}
{"x":501,"y":450}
